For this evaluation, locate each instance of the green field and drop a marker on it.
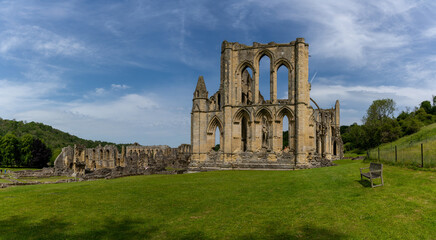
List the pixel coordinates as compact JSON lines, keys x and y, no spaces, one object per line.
{"x":409,"y":149}
{"x":323,"y":203}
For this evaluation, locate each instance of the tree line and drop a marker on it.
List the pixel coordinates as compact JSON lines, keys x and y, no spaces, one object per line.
{"x":381,"y":126}
{"x":25,"y":151}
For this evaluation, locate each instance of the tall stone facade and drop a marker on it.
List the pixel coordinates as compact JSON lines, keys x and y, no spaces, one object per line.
{"x":251,"y":128}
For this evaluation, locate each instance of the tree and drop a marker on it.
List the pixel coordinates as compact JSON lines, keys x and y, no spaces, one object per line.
{"x":426,"y":105}
{"x":10,"y":150}
{"x":41,"y":154}
{"x":379,"y":110}
{"x":34,"y":152}
{"x":26,"y":149}
{"x":379,"y":125}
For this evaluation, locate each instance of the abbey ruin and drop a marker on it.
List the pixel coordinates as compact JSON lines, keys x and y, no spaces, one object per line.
{"x":250,"y":128}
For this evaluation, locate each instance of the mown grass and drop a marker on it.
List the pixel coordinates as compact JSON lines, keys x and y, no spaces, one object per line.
{"x":14,"y":169}
{"x":44,"y":179}
{"x":409,"y":149}
{"x":324,"y":203}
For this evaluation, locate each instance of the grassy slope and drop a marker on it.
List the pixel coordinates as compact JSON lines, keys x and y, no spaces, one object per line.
{"x":425,"y":135}
{"x":324,"y":203}
{"x":409,"y":148}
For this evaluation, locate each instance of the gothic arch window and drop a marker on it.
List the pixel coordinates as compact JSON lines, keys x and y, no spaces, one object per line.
{"x":264,"y":78}
{"x":246,"y":85}
{"x":215,"y":127}
{"x":244,"y":134}
{"x":283,"y":82}
{"x":285,"y":118}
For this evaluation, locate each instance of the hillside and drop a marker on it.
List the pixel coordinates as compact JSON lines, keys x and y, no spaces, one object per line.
{"x":409,"y":148}
{"x":54,"y":138}
{"x":426,"y":135}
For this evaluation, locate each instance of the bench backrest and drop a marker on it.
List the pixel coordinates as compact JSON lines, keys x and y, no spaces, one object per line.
{"x":375,"y":166}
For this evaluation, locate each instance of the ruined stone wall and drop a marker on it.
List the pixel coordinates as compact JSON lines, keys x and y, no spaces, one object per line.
{"x":250,"y":128}
{"x":133,"y":159}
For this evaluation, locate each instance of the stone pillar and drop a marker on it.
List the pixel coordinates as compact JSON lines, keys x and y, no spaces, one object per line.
{"x":228,"y":137}
{"x":291,"y":85}
{"x":256,"y":84}
{"x":302,"y":102}
{"x":273,"y":85}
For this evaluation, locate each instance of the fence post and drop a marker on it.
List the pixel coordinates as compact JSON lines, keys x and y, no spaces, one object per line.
{"x":395,"y":153}
{"x":367,"y":154}
{"x":422,"y":155}
{"x":378,"y":155}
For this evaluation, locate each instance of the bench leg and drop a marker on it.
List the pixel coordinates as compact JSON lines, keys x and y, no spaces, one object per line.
{"x":372,"y":184}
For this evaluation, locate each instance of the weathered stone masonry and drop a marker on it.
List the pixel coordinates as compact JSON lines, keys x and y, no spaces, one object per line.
{"x":251,"y":128}
{"x":133,"y":159}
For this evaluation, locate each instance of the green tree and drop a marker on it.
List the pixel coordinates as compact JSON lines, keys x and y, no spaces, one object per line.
{"x":285,"y":139}
{"x":41,"y":154}
{"x":379,"y":110}
{"x":34,"y":152}
{"x":426,"y":105}
{"x":354,"y":137}
{"x":10,"y":150}
{"x":379,"y":125}
{"x":26,"y":149}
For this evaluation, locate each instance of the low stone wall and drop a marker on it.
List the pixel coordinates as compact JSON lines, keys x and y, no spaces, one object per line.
{"x":257,"y":160}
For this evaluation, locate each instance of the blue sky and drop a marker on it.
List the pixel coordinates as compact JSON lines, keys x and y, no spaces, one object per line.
{"x":125,"y":71}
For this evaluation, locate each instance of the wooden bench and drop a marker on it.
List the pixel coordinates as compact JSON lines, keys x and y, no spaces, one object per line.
{"x":375,"y":171}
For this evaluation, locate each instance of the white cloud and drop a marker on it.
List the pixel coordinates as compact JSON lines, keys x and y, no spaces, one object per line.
{"x":429,"y":32}
{"x":144,"y":118}
{"x":355,"y":100}
{"x":119,"y":86}
{"x":100,"y":91}
{"x":21,"y":96}
{"x":352,"y":30}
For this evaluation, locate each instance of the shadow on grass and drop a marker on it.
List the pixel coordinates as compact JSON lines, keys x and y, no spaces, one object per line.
{"x":53,"y":228}
{"x":364,"y":182}
{"x":277,"y":231}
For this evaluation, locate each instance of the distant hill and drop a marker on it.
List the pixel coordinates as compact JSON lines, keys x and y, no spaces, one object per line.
{"x":54,"y":138}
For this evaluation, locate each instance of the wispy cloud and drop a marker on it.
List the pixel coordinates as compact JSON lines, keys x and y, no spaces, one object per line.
{"x":39,"y":41}
{"x":119,"y":86}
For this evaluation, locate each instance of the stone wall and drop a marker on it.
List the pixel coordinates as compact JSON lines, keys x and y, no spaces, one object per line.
{"x":134,"y":159}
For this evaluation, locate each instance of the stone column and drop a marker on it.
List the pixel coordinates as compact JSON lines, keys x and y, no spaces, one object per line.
{"x":227,"y":139}
{"x":256,"y":84}
{"x":273,"y":85}
{"x":302,"y":102}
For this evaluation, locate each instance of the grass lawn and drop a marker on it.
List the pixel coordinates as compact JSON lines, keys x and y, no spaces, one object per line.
{"x":45,"y":179}
{"x":323,"y":203}
{"x":17,"y":169}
